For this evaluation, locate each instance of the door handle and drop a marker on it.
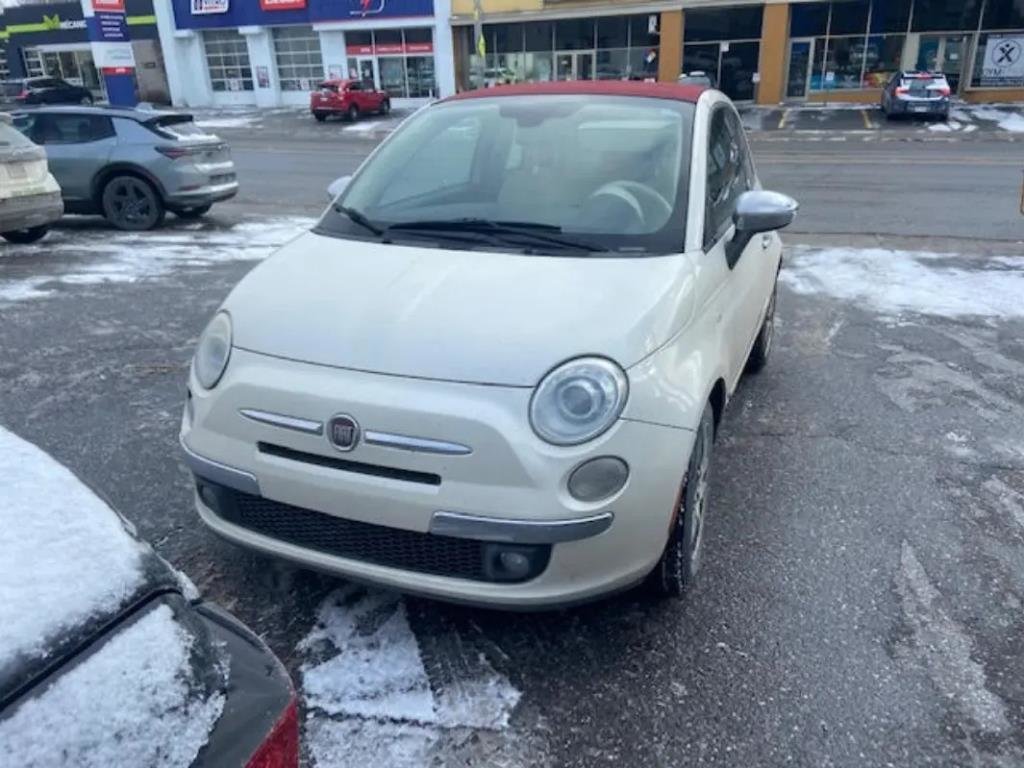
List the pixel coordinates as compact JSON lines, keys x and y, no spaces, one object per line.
{"x":766,"y":241}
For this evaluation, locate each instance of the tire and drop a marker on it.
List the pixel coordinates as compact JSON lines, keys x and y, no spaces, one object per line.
{"x":352,"y":114}
{"x":194,"y":212}
{"x":762,"y":348}
{"x":85,"y":101}
{"x":320,"y":116}
{"x":385,"y":107}
{"x":25,"y":236}
{"x":679,"y":563}
{"x":131,"y":203}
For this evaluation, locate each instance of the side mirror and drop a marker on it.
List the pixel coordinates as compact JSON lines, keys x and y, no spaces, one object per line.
{"x":758,"y":211}
{"x":337,"y":186}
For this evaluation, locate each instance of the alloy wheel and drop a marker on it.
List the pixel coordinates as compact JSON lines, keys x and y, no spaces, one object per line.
{"x":131,"y":204}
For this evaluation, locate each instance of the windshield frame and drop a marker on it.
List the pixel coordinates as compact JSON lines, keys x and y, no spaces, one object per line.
{"x":669,"y":239}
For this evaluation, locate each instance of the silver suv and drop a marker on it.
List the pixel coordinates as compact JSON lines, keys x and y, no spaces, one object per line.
{"x":131,"y":165}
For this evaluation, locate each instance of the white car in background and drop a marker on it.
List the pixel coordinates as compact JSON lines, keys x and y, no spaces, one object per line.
{"x":30,"y":197}
{"x":493,"y":371}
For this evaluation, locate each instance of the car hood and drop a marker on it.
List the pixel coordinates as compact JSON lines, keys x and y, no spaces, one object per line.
{"x":469,"y":316}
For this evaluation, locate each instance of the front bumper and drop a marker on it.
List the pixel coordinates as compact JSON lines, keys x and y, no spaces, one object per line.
{"x":30,"y":211}
{"x":510,"y":489}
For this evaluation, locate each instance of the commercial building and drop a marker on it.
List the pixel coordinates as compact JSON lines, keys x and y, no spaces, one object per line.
{"x":273,"y":52}
{"x":52,"y":39}
{"x":761,"y":51}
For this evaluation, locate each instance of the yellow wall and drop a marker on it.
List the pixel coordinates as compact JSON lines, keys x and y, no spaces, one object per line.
{"x":996,"y":95}
{"x":774,"y":44}
{"x":465,"y":7}
{"x":670,"y":54}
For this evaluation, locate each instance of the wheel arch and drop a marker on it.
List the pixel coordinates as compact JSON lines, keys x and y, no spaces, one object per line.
{"x":108,"y":172}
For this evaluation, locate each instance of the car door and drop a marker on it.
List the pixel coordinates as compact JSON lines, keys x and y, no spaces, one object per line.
{"x":743,"y":288}
{"x":78,"y":146}
{"x":370,"y":101}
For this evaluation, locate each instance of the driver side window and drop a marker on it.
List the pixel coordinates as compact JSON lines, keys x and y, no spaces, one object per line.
{"x":726,"y":179}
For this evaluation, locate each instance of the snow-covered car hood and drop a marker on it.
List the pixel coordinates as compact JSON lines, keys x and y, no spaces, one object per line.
{"x":470,"y":316}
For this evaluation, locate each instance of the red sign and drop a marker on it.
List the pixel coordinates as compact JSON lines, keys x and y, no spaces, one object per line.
{"x":359,"y":50}
{"x":419,"y":47}
{"x":389,"y":48}
{"x":386,"y":49}
{"x":282,"y":5}
{"x":108,"y":6}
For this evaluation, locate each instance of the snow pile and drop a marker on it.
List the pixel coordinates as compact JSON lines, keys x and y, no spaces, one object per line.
{"x":245,"y":121}
{"x":1008,"y":121}
{"x":368,"y":676}
{"x":85,"y":257}
{"x":895,"y":282}
{"x":131,"y":703}
{"x":66,"y":555}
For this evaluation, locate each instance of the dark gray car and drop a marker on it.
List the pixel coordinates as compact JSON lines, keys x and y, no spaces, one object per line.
{"x":131,"y":165}
{"x":925,"y":94}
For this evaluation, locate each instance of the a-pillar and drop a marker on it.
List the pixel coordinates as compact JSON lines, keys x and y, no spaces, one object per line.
{"x":111,"y":49}
{"x":772,"y":65}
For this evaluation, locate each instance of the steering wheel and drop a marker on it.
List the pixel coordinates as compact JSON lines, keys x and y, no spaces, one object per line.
{"x":647,"y":202}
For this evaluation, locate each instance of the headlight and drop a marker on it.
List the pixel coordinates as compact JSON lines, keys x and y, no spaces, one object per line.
{"x":213,"y":351}
{"x":578,"y":401}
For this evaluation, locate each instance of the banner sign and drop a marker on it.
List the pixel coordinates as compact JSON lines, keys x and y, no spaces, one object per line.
{"x":112,"y":6}
{"x":109,"y":27}
{"x":203,"y":7}
{"x":384,"y":49}
{"x":1004,"y":61}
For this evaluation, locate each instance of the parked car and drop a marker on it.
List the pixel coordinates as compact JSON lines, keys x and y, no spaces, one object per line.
{"x":109,"y":657}
{"x":529,"y":309}
{"x":917,"y":93}
{"x":50,"y":90}
{"x":697,"y":77}
{"x":132,"y":165}
{"x":29,"y":196}
{"x":348,"y":98}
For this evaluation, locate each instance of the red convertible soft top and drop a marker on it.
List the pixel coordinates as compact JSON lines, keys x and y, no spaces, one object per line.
{"x":671,"y":91}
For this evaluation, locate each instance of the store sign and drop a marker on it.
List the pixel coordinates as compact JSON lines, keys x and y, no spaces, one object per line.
{"x":110,"y":6}
{"x":282,"y":5}
{"x":54,"y":22}
{"x":392,"y":49}
{"x":111,"y":27}
{"x":1004,"y":60}
{"x":365,"y":8}
{"x":203,"y":7}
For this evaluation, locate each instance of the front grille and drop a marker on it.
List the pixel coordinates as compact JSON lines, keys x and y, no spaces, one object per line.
{"x":355,"y":540}
{"x":347,"y":465}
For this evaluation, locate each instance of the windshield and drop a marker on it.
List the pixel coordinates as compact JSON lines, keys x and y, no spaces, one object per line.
{"x":603,"y":174}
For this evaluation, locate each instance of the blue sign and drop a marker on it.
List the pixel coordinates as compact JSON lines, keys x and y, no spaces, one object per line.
{"x":245,"y":13}
{"x":108,"y":27}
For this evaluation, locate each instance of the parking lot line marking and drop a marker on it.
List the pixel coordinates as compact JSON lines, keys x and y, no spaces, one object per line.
{"x":867,"y":120}
{"x":783,"y":119}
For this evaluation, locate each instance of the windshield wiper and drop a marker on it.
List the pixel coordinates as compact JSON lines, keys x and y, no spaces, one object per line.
{"x":538,"y":232}
{"x":358,"y":218}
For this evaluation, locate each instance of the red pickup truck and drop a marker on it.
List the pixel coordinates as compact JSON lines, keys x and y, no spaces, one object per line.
{"x":350,"y":98}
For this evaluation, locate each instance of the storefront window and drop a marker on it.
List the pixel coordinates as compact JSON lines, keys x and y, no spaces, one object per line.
{"x":299,"y":63}
{"x":723,"y":24}
{"x":882,"y":56}
{"x":1004,"y":14}
{"x":849,"y":18}
{"x":392,"y":75}
{"x":399,"y":61}
{"x":808,"y":19}
{"x":945,"y":15}
{"x":613,"y":64}
{"x":574,"y":35}
{"x":227,"y":59}
{"x":890,"y":15}
{"x":724,"y":44}
{"x":844,"y":60}
{"x":612,"y":33}
{"x":995,"y":65}
{"x":539,"y":36}
{"x":420,"y":75}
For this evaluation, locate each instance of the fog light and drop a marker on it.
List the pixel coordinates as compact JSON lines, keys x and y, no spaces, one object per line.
{"x":515,"y":562}
{"x":598,"y":478}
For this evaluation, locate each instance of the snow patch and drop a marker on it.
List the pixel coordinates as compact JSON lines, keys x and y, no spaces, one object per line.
{"x":66,"y":555}
{"x":131,"y":703}
{"x":89,"y":257}
{"x":363,"y":127}
{"x":895,"y":282}
{"x":1008,"y":121}
{"x":228,"y":122}
{"x":367,"y":677}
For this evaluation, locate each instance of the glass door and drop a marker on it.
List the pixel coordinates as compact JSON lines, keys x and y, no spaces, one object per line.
{"x":368,"y":71}
{"x":574,"y":65}
{"x":954,"y":50}
{"x":799,"y":68}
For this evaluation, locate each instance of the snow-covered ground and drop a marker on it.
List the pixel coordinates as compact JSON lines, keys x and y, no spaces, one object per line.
{"x":900,"y":282}
{"x":370,"y":700}
{"x":86,"y":256}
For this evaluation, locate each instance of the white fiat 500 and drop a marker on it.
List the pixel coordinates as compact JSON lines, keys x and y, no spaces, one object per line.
{"x":493,"y":371}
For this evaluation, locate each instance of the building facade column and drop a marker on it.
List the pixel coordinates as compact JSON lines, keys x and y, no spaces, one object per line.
{"x":773,"y":58}
{"x":444,"y":48}
{"x":261,"y":59}
{"x":332,"y":51}
{"x":670,"y":49}
{"x":112,"y":49}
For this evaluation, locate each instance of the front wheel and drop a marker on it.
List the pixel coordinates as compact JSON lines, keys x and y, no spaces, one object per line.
{"x":762,"y":348}
{"x":25,"y":236}
{"x":194,"y":212}
{"x":131,"y":203}
{"x":680,"y":561}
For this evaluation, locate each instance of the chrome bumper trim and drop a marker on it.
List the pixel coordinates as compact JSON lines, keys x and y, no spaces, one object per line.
{"x":220,"y":473}
{"x":280,"y":420}
{"x":417,"y":444}
{"x":518,"y":531}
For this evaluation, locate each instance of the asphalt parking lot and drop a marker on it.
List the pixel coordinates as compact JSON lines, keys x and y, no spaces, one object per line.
{"x":861,"y":601}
